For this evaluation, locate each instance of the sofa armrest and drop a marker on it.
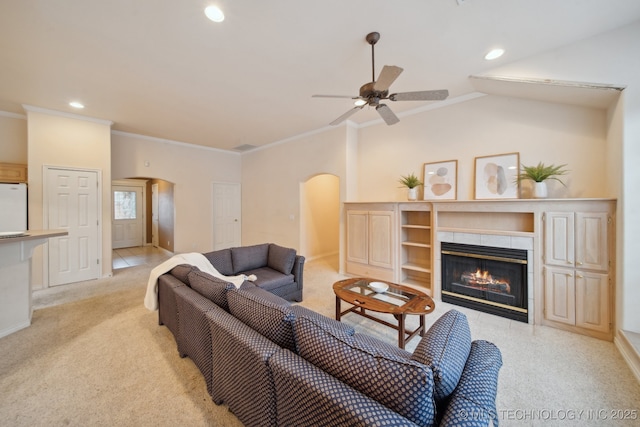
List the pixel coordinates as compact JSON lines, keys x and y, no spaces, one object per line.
{"x":304,"y":392}
{"x":473,"y":401}
{"x":298,"y":269}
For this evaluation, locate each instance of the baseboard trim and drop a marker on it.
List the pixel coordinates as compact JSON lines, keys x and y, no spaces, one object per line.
{"x":629,"y":353}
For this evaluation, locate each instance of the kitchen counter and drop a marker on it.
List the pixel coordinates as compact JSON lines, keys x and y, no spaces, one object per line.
{"x":15,"y":277}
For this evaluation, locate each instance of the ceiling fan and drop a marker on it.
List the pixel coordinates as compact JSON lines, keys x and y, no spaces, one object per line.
{"x":377,"y":90}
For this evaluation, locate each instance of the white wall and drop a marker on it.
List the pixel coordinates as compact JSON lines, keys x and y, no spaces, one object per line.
{"x":13,"y":138}
{"x":271,"y":179}
{"x":69,"y":141}
{"x":191,"y":169}
{"x":539,"y":131}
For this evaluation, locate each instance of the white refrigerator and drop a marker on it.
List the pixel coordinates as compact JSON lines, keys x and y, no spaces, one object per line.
{"x":13,"y":207}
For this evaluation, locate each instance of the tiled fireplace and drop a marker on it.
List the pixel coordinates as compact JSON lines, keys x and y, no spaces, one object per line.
{"x":490,"y":273}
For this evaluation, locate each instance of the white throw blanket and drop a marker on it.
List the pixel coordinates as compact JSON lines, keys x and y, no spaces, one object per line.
{"x":195,"y":259}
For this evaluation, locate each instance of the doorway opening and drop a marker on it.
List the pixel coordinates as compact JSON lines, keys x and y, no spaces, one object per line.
{"x":320,"y":218}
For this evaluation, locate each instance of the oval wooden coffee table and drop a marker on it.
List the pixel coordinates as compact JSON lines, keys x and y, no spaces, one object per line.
{"x":398,"y":300}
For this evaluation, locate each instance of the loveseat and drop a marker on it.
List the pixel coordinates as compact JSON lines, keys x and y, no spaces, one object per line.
{"x":278,"y":364}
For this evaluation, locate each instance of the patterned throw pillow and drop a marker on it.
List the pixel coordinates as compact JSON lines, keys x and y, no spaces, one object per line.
{"x":445,"y":348}
{"x":211,"y":288}
{"x":281,"y":259}
{"x":274,"y":321}
{"x":390,"y":378}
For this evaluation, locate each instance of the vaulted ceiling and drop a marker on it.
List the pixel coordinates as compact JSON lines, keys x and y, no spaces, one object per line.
{"x":160,"y":68}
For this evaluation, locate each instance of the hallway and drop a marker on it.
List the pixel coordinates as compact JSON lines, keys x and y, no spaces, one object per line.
{"x":139,"y":255}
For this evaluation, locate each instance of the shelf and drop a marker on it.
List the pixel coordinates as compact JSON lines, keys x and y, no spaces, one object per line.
{"x":416,"y":267}
{"x":416,"y":244}
{"x":419,"y":227}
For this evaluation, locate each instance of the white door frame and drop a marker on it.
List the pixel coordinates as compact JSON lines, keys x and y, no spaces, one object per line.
{"x":142,"y":183}
{"x":45,"y":216}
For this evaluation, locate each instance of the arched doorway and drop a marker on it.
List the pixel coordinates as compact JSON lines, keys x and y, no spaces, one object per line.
{"x":320,"y":216}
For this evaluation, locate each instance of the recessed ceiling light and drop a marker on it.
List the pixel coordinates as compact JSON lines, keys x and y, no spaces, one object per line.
{"x":214,"y":13}
{"x":76,"y":104}
{"x":494,"y":54}
{"x":360,"y":102}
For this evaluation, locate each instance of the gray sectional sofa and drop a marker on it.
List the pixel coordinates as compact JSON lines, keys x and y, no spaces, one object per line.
{"x":278,"y":364}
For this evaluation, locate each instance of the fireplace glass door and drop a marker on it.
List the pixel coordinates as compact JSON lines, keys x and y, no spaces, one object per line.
{"x":489,"y":279}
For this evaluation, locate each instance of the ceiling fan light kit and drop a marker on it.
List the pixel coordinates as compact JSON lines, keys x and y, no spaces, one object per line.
{"x":377,"y":90}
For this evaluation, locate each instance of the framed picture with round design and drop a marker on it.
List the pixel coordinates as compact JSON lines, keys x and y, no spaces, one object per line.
{"x":496,"y":176}
{"x":440,"y":180}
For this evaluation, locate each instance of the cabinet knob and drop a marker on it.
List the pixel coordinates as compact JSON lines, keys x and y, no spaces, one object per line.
{"x":569,"y":275}
{"x":579,"y":262}
{"x":579,"y":276}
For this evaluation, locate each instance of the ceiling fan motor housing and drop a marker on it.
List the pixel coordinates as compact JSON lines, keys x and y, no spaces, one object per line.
{"x":369,"y":93}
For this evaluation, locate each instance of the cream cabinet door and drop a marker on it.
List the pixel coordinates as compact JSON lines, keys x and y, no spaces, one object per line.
{"x":559,"y":239}
{"x":381,"y":239}
{"x":591,"y":241}
{"x":592,"y":301}
{"x":358,"y":236}
{"x":560,"y":295}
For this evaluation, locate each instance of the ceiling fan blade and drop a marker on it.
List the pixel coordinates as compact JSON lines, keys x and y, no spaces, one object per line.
{"x":387,"y":76}
{"x":425,"y":95}
{"x":387,"y":115}
{"x":335,"y":96}
{"x":345,"y":116}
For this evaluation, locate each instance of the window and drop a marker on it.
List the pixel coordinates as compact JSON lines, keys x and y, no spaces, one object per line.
{"x":124,"y":205}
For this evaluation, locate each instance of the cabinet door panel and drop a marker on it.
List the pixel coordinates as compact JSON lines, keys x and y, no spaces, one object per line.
{"x":559,"y":241}
{"x":381,"y":245}
{"x":591,"y":241}
{"x":592,"y":302}
{"x":357,"y":236}
{"x":559,"y":295}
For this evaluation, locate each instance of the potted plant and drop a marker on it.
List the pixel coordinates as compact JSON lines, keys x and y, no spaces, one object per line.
{"x":412,"y":182}
{"x":539,"y":174}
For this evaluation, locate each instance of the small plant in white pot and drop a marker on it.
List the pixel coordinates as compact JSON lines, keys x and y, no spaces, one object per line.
{"x":541,"y":173}
{"x":412,"y":183}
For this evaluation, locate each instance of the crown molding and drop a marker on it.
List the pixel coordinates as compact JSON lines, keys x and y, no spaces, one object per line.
{"x":31,"y":108}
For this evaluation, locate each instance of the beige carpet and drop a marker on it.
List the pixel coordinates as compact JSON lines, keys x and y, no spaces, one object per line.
{"x":95,"y":356}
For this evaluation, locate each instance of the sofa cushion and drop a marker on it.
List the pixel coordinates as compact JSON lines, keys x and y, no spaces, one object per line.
{"x":270,"y":319}
{"x":388,"y":377}
{"x":329,"y":323}
{"x":268,"y":278}
{"x":251,"y":288}
{"x":445,"y":348}
{"x":181,"y":272}
{"x":246,"y":258}
{"x":478,"y":386}
{"x":281,"y":259}
{"x":211,"y":287}
{"x":221,"y":260}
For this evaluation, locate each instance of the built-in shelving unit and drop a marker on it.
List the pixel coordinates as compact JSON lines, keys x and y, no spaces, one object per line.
{"x":415,"y":250}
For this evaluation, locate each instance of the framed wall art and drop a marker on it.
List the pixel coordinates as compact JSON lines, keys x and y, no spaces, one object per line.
{"x":440,"y":180}
{"x":496,"y":176}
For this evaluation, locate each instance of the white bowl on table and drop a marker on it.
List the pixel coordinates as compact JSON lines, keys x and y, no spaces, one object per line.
{"x":379,"y":287}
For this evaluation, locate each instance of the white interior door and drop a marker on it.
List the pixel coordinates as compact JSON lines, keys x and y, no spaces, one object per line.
{"x":127,"y":217}
{"x":155,"y":222}
{"x":226,"y":215}
{"x":72,"y":204}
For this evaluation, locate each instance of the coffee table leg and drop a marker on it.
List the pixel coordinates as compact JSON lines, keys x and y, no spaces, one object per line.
{"x":338,"y":308}
{"x":422,"y":328}
{"x":401,"y":334}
